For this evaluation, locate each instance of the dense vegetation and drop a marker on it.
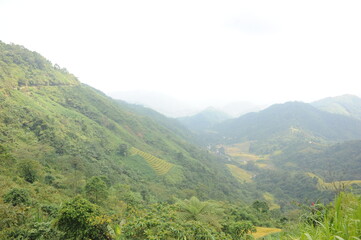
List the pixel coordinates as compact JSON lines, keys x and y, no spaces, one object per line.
{"x":75,"y":164}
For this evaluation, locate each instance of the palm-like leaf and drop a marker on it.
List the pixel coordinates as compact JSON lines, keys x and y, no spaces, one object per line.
{"x":196,"y":210}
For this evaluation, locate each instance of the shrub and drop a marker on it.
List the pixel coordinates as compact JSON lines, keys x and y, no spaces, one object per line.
{"x":17,"y":196}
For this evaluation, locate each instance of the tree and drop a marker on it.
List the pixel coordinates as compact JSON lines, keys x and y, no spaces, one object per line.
{"x":237,"y":230}
{"x":123,"y":149}
{"x":96,"y":190}
{"x":80,"y":219}
{"x":260,"y":206}
{"x":29,"y":170}
{"x":205,"y":212}
{"x":160,"y":222}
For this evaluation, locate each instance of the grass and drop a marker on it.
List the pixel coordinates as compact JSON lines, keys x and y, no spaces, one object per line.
{"x":239,"y":173}
{"x":342,"y":221}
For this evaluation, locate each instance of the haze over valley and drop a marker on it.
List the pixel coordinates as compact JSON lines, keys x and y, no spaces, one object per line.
{"x":192,"y":120}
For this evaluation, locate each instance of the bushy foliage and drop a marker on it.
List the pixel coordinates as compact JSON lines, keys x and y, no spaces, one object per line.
{"x":161,"y":222}
{"x":29,"y":170}
{"x":96,"y":190}
{"x":79,"y":219}
{"x":17,"y":196}
{"x":237,"y":230}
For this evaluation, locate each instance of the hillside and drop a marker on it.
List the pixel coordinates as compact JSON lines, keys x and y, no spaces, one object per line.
{"x":75,"y":131}
{"x":203,"y":120}
{"x":170,"y":123}
{"x":338,"y":162}
{"x":290,"y":119}
{"x":348,"y":105}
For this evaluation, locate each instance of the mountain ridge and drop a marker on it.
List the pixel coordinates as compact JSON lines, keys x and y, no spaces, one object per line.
{"x":280,"y":118}
{"x":348,"y":105}
{"x":204,"y":120}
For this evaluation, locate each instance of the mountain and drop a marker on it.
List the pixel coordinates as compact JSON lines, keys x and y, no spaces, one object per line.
{"x":338,"y":162}
{"x":348,"y":105}
{"x":290,"y":119}
{"x":161,"y":103}
{"x":236,"y":109}
{"x":76,"y":164}
{"x":170,"y":123}
{"x":204,"y":120}
{"x":72,"y":132}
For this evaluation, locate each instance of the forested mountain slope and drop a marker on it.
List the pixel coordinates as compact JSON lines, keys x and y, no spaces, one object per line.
{"x":290,"y":118}
{"x":338,"y":162}
{"x":172,"y":124}
{"x":76,"y":164}
{"x":75,"y":131}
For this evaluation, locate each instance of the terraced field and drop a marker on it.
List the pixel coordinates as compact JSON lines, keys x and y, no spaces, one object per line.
{"x":239,"y":173}
{"x":160,"y":166}
{"x":262,"y":232}
{"x":240,"y":153}
{"x":322,"y":185}
{"x":239,"y":147}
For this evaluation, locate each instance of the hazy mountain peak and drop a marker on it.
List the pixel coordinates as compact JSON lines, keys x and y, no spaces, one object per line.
{"x":348,"y":105}
{"x":23,"y":68}
{"x":160,"y":102}
{"x":279,"y":118}
{"x":204,"y":119}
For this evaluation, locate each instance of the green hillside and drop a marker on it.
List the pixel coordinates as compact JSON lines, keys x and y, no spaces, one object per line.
{"x":69,"y":127}
{"x":339,"y":162}
{"x":172,"y":124}
{"x":22,"y":68}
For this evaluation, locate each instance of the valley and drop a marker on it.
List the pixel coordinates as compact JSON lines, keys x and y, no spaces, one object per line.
{"x":77,"y":164}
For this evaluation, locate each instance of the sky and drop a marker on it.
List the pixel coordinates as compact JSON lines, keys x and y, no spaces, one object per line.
{"x":258,"y":51}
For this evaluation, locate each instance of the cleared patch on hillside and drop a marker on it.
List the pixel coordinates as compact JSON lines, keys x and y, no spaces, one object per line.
{"x":160,"y":166}
{"x":239,"y":147}
{"x":239,"y":152}
{"x":322,"y":185}
{"x":239,"y":173}
{"x":263,"y":231}
{"x":271,"y":201}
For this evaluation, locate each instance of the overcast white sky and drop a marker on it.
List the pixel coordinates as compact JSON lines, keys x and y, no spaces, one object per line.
{"x":258,"y":51}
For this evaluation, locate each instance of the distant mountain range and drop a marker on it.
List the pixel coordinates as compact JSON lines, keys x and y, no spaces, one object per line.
{"x":174,"y":108}
{"x":161,"y":103}
{"x":348,"y":105}
{"x":204,"y":120}
{"x":290,"y":117}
